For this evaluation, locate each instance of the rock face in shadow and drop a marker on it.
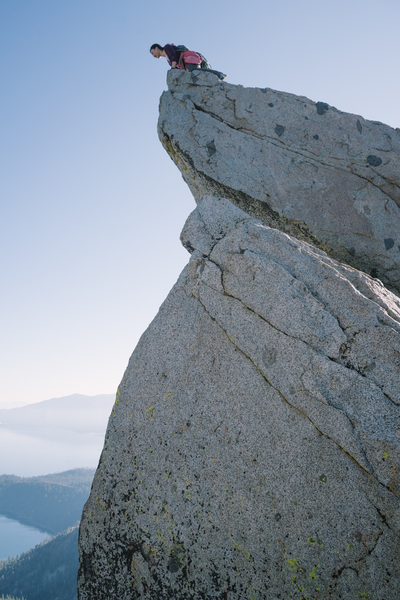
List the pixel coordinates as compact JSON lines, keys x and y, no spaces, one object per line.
{"x":253,"y":449}
{"x":321,"y":175}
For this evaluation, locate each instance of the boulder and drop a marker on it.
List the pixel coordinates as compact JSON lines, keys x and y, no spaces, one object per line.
{"x":321,"y":175}
{"x":253,"y":448}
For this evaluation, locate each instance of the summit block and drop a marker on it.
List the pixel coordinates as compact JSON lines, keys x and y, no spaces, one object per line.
{"x":322,"y":175}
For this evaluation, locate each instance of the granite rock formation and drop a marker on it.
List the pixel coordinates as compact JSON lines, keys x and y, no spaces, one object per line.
{"x":253,"y":448}
{"x":330,"y":178}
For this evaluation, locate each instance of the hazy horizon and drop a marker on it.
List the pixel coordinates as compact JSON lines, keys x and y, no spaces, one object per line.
{"x":13,"y":405}
{"x":54,"y":435}
{"x":92,"y":206}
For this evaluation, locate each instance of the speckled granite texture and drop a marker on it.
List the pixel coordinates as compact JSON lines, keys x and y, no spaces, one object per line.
{"x":253,"y":449}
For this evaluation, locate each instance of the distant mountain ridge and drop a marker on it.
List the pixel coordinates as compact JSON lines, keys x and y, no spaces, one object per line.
{"x":77,"y":412}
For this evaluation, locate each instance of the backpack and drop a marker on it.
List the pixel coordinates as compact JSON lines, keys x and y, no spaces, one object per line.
{"x":204,"y":63}
{"x":190,"y":57}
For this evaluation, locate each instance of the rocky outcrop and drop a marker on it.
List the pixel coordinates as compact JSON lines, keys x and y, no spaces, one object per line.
{"x":253,"y":449}
{"x":321,"y":175}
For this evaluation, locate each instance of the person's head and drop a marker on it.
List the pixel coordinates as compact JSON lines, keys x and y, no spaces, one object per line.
{"x":156,"y":50}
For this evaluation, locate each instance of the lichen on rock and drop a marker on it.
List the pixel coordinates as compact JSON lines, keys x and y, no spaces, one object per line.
{"x":254,"y":449}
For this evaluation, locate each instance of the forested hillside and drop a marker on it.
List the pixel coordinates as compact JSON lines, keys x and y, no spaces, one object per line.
{"x":52,"y":502}
{"x":48,"y":572}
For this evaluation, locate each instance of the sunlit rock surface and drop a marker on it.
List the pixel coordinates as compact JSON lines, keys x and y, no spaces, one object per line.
{"x":253,"y":449}
{"x":306,"y":168}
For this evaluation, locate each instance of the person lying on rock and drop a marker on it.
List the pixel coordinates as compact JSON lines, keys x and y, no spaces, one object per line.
{"x":180,"y":57}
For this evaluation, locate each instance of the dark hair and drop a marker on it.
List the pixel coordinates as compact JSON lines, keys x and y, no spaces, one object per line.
{"x":156,"y":46}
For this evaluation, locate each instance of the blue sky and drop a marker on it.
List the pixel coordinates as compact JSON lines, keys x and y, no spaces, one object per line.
{"x":91,"y":205}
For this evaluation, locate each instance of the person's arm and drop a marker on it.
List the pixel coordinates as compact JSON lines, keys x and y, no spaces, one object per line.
{"x":172,"y":56}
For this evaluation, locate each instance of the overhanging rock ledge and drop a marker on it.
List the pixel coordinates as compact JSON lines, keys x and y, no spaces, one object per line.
{"x":304,"y":167}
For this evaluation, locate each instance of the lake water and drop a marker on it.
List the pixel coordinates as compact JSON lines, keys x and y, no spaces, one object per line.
{"x":40,"y":451}
{"x":16,"y":538}
{"x":28,"y":453}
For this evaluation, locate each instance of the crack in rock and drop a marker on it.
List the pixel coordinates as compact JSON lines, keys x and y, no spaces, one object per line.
{"x":308,"y":180}
{"x":285,"y":399}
